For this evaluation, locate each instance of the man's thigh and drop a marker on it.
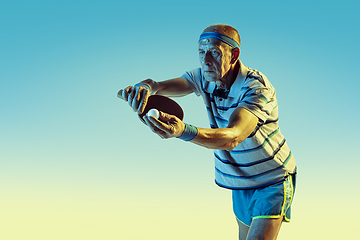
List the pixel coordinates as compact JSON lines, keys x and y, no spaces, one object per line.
{"x":243,"y":230}
{"x":264,"y":229}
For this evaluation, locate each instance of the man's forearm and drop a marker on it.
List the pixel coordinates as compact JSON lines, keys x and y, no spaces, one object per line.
{"x":241,"y":124}
{"x":220,"y":138}
{"x":176,"y":87}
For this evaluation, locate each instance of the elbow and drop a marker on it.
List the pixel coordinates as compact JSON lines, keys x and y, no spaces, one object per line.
{"x":232,"y":144}
{"x":229,"y":147}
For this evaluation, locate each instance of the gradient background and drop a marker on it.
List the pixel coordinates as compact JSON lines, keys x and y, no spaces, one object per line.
{"x":76,"y":163}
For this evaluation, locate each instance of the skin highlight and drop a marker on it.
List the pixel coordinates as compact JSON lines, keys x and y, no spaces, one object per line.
{"x":217,"y":62}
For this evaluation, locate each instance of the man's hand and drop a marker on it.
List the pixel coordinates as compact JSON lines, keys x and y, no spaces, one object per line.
{"x":136,"y":96}
{"x":167,"y":126}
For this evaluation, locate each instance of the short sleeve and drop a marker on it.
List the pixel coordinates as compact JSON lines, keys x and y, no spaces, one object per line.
{"x":259,"y":99}
{"x":193,"y":78}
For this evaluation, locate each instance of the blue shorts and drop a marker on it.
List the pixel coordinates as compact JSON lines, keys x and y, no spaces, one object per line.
{"x":273,"y":201}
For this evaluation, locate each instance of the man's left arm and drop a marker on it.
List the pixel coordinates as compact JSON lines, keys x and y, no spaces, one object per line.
{"x":241,"y":124}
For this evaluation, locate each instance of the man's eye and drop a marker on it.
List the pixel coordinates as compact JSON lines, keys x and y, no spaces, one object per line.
{"x":215,"y":53}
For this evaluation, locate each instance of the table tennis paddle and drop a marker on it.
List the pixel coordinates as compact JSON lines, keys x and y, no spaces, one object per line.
{"x":163,"y":104}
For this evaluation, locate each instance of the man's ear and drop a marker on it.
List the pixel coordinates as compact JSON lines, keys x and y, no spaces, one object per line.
{"x":235,"y":55}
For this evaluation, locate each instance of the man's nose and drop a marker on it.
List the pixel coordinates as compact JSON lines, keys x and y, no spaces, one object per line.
{"x":207,"y":59}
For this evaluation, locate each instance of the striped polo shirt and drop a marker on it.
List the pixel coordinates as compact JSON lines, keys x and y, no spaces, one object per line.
{"x":262,"y":159}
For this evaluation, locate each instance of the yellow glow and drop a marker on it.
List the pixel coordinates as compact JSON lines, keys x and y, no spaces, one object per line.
{"x":153,"y":214}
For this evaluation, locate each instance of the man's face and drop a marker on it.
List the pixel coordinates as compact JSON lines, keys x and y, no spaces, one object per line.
{"x":215,"y":58}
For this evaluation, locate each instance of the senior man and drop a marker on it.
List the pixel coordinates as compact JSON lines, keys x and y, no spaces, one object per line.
{"x":251,"y":155}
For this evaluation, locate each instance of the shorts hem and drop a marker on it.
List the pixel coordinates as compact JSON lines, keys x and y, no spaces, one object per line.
{"x":285,"y":219}
{"x":242,"y":222}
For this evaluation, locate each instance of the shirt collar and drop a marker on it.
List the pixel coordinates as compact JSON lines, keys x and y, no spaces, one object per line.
{"x":209,"y":87}
{"x":239,"y":81}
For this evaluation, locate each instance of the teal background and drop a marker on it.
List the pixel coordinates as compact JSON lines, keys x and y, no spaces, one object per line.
{"x":76,"y":163}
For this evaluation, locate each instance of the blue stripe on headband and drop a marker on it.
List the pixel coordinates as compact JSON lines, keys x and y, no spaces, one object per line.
{"x":221,"y":37}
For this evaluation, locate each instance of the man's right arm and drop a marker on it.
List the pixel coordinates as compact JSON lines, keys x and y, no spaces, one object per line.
{"x":176,"y":87}
{"x":137,"y":95}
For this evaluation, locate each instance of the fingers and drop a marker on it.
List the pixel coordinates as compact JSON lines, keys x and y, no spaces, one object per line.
{"x":124,"y":93}
{"x":119,"y":94}
{"x":168,"y":126}
{"x":144,"y":98}
{"x":168,"y":118}
{"x":135,"y":96}
{"x":153,"y":124}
